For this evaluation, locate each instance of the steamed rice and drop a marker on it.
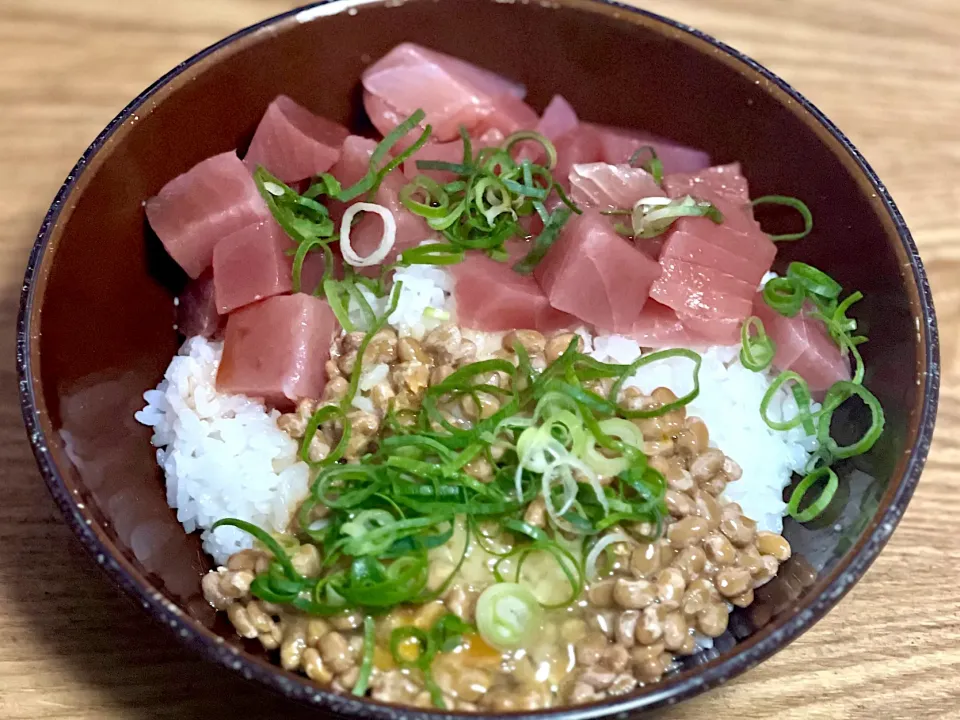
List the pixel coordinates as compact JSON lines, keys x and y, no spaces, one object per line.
{"x":224,"y":456}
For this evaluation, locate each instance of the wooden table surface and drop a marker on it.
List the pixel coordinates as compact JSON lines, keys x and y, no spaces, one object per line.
{"x":885,"y":71}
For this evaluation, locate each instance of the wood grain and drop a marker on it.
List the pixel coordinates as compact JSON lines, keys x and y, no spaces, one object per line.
{"x":884,"y":70}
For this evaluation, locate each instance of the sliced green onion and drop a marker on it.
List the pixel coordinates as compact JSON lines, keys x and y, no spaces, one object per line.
{"x":756,"y":351}
{"x":548,"y":147}
{"x":653,"y":165}
{"x":265,"y":539}
{"x":816,"y":507}
{"x":544,"y":241}
{"x":784,"y":295}
{"x":436,"y":202}
{"x":508,"y":616}
{"x":653,"y":216}
{"x":432,"y":254}
{"x":366,"y":665}
{"x":787,"y":376}
{"x":371,"y":181}
{"x":797,"y":205}
{"x":814,"y":282}
{"x":838,"y":394}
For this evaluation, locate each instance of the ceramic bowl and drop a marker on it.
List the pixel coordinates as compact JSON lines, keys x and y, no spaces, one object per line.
{"x":96,"y":319}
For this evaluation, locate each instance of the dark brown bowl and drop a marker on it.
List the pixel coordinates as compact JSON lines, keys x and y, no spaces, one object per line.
{"x":96,"y":317}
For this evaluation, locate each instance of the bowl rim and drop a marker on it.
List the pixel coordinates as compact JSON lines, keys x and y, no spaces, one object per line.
{"x":671,"y":691}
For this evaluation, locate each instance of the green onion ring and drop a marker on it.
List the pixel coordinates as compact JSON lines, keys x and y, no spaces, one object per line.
{"x":797,"y":205}
{"x":815,"y":508}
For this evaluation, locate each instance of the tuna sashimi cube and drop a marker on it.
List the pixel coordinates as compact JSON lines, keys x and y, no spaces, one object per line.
{"x":658,"y":326}
{"x":804,"y":346}
{"x":197,"y":308}
{"x":276,"y":349}
{"x":739,"y":235}
{"x":558,"y":119}
{"x":196,"y":210}
{"x":354,"y":160}
{"x":508,"y":114}
{"x":708,"y":301}
{"x":491,"y":297}
{"x":619,"y":144}
{"x":251,"y":265}
{"x":596,"y":275}
{"x":581,"y":146}
{"x":451,"y":152}
{"x":724,"y":182}
{"x":450,"y":91}
{"x":682,"y":244}
{"x":293,"y":143}
{"x":604,"y":186}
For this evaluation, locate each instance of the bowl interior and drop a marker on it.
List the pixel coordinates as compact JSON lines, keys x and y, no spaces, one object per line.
{"x":100,"y":321}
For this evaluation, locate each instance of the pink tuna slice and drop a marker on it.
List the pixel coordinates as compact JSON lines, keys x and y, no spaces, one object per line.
{"x":596,"y":275}
{"x":508,"y":114}
{"x":251,"y":265}
{"x":277,"y":348}
{"x":604,"y":186}
{"x":804,"y":346}
{"x":742,"y":248}
{"x":450,"y":91}
{"x":491,"y":297}
{"x":196,"y":210}
{"x":354,"y":160}
{"x":451,"y":152}
{"x":293,"y":143}
{"x":558,"y":120}
{"x":580,"y":146}
{"x":708,"y":301}
{"x":197,"y":308}
{"x":658,"y":326}
{"x":618,"y":144}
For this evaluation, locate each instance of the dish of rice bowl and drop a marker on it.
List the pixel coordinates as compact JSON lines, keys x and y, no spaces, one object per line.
{"x":409,"y":366}
{"x":497,"y":410}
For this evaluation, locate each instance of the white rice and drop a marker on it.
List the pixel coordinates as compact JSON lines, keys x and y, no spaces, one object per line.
{"x":224,"y":455}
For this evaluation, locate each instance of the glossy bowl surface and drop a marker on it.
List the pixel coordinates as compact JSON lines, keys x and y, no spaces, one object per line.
{"x":96,"y":321}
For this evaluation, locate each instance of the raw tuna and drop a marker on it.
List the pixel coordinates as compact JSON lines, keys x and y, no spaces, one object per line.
{"x":196,"y":210}
{"x":747,"y":252}
{"x":603,"y":186}
{"x":708,"y":301}
{"x":450,"y":91}
{"x":354,"y":160}
{"x":293,"y":143}
{"x":491,"y":297}
{"x":578,"y":147}
{"x":451,"y":152}
{"x":558,"y":119}
{"x":658,"y":326}
{"x":618,"y":144}
{"x":277,"y":348}
{"x":251,"y":265}
{"x":596,"y":275}
{"x":197,"y":308}
{"x":804,"y":346}
{"x":508,"y":114}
